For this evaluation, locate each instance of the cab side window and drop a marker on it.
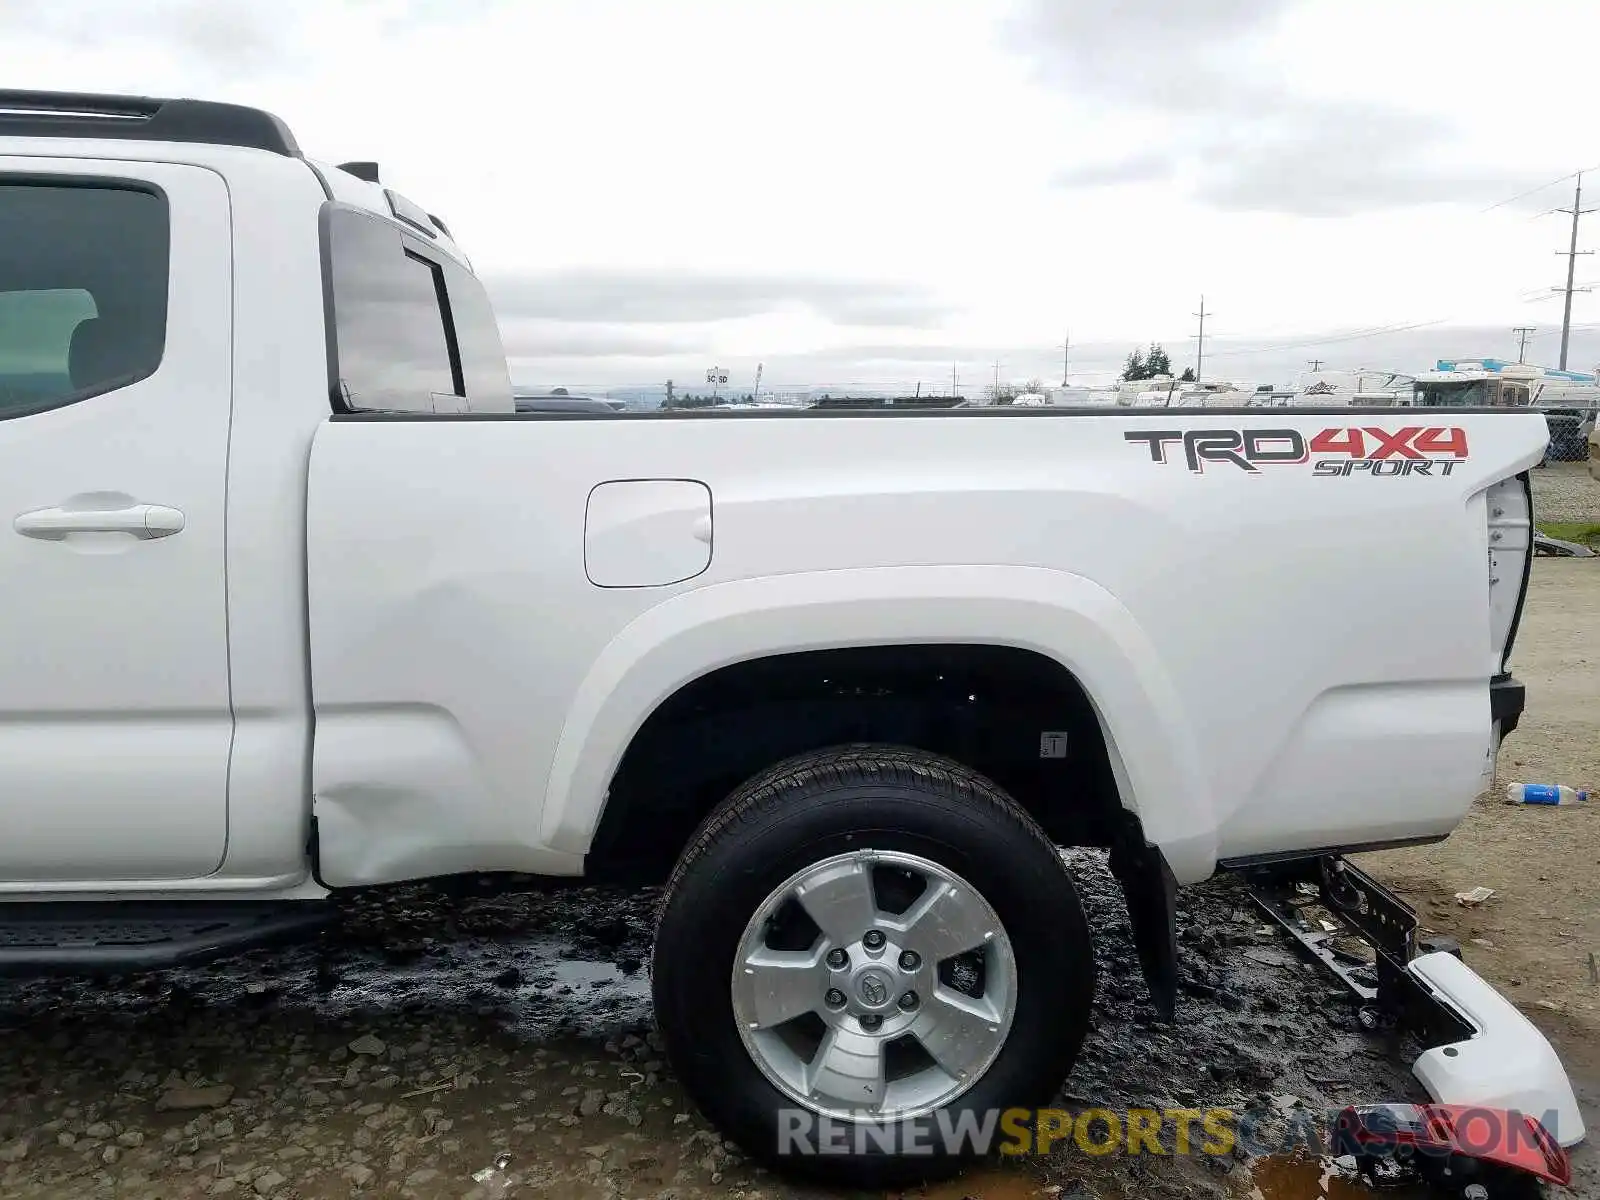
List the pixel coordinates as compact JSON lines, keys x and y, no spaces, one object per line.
{"x":412,"y":331}
{"x":83,"y":291}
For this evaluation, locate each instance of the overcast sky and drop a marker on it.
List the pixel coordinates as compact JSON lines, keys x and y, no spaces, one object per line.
{"x":866,"y":190}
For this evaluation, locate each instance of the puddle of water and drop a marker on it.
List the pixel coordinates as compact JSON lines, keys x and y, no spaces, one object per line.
{"x":1300,"y":1178}
{"x":547,"y":993}
{"x":575,"y":972}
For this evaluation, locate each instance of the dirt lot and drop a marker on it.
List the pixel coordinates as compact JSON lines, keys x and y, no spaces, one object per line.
{"x":426,"y":1037}
{"x":1538,"y":937}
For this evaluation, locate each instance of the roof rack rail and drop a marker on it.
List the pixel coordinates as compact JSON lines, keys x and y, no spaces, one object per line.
{"x":142,"y":118}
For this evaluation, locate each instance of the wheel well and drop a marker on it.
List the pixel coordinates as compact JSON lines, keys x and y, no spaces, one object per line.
{"x":989,"y":707}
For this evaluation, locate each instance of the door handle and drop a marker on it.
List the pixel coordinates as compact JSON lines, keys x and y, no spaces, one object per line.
{"x":143,"y":521}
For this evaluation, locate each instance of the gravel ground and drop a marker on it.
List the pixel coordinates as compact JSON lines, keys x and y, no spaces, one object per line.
{"x":1564,"y":491}
{"x":426,"y":1037}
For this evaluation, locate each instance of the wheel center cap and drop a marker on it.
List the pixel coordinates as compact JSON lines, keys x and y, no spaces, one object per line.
{"x":873,"y":988}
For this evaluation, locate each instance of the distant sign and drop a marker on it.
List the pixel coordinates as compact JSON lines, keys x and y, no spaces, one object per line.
{"x":716,"y":375}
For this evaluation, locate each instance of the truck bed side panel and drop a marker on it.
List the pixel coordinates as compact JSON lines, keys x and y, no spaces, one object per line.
{"x":1287,"y":642}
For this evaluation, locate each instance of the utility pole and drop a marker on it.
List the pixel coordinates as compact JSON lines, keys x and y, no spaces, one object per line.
{"x":1200,"y":352}
{"x":1315,"y":364}
{"x":1577,"y":210}
{"x":1522,"y":332}
{"x":995,"y":395}
{"x":955,"y":385}
{"x":1066,"y":357}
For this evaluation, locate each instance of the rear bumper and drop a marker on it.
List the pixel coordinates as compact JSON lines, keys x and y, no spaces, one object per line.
{"x":1507,"y":1063}
{"x":1507,"y":699}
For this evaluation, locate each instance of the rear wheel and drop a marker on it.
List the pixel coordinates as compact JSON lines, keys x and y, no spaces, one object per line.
{"x":865,"y":952}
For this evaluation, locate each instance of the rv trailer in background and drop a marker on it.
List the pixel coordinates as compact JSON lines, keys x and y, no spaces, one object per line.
{"x":1569,"y":399}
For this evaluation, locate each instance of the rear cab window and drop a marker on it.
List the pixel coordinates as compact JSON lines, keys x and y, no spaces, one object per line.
{"x":83,"y":290}
{"x":412,"y":330}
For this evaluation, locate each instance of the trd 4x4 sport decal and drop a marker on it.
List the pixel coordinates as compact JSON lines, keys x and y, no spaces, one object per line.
{"x":1414,"y":450}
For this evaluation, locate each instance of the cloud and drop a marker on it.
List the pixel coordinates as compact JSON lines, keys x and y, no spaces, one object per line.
{"x":1164,"y":54}
{"x":941,"y":355}
{"x":407,"y":17}
{"x":1326,"y":160}
{"x":234,"y":34}
{"x":1228,"y":124}
{"x":663,"y":296}
{"x":1137,"y":168}
{"x":225,"y":37}
{"x":525,"y":338}
{"x":972,"y":363}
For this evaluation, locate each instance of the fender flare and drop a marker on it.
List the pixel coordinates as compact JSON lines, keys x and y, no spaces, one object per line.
{"x":1067,"y":618}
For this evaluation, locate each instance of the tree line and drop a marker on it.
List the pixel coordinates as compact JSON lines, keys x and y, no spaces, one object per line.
{"x":1151,"y":363}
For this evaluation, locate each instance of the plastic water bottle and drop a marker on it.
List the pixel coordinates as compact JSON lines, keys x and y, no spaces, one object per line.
{"x":1543,"y":793}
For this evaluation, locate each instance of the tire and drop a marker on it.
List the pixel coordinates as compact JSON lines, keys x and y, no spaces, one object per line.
{"x":899,"y":806}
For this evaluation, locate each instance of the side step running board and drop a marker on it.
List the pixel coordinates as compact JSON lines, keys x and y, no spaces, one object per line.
{"x":73,"y":937}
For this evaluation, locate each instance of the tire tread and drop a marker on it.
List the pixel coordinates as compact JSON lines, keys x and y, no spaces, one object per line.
{"x":892,"y":765}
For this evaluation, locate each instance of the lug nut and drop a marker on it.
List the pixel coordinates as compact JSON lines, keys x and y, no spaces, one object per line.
{"x":873,"y":939}
{"x":834,"y":998}
{"x":909,"y":1001}
{"x":870,"y":1022}
{"x":838,"y":959}
{"x":909,"y":960}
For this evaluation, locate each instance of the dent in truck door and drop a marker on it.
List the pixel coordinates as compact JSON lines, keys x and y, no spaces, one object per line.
{"x":115,"y":382}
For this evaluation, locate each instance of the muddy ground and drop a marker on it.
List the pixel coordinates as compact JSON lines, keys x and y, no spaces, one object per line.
{"x":425,"y":1037}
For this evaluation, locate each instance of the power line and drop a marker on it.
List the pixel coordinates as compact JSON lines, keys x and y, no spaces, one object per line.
{"x":1544,"y":293}
{"x":1354,"y":336}
{"x":1576,"y":326}
{"x":1540,"y":188}
{"x":1534,"y":295}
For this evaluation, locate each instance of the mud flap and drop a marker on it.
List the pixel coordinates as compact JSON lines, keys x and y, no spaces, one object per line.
{"x":1151,"y":893}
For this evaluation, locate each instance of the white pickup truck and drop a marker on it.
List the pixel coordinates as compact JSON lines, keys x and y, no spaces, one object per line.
{"x":299,"y":603}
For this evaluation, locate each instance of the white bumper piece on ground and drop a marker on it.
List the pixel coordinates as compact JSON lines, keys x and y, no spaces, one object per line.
{"x":1506,"y":1064}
